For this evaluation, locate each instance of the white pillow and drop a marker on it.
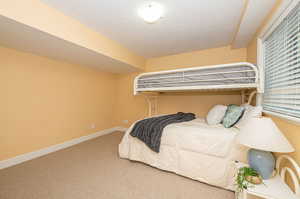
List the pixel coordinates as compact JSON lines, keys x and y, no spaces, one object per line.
{"x":216,"y":114}
{"x":250,"y":112}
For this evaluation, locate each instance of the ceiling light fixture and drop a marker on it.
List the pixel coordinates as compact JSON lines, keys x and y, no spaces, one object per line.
{"x":151,"y":12}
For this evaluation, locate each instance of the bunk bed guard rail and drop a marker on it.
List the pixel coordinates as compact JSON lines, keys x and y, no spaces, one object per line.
{"x":227,"y":76}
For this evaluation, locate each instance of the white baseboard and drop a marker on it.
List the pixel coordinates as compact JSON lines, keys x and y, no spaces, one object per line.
{"x":120,"y":128}
{"x":35,"y":154}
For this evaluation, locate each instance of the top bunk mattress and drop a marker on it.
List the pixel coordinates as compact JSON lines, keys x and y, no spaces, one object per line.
{"x":231,"y":76}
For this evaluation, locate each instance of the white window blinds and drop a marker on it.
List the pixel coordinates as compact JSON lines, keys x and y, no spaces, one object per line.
{"x":282,"y":67}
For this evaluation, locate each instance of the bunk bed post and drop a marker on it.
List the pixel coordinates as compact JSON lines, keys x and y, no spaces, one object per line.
{"x":251,"y":97}
{"x":258,"y":99}
{"x":243,"y":96}
{"x":152,"y":105}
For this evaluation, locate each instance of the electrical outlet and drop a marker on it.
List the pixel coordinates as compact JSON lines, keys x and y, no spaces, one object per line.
{"x":93,"y":126}
{"x":125,"y":121}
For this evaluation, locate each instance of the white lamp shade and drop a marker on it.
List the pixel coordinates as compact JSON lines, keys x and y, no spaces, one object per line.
{"x":263,"y":134}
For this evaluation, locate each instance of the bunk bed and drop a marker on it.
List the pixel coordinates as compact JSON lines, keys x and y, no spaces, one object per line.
{"x":234,"y":76}
{"x":194,"y":149}
{"x":241,"y":76}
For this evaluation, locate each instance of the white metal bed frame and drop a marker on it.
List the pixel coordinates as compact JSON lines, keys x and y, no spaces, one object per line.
{"x":152,"y":94}
{"x":201,"y":87}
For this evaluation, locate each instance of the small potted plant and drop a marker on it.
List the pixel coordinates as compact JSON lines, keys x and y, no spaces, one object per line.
{"x":247,"y":177}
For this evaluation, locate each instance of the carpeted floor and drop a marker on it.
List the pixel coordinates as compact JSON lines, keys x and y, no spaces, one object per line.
{"x":93,"y":170}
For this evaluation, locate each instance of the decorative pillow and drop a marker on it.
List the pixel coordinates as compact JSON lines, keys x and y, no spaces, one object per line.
{"x":216,"y":114}
{"x":233,"y":114}
{"x":250,"y":112}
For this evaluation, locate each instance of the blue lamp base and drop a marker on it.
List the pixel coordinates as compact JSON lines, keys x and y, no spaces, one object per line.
{"x":262,"y":161}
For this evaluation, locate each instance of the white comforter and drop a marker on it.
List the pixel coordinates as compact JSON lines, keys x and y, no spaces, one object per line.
{"x":193,"y":149}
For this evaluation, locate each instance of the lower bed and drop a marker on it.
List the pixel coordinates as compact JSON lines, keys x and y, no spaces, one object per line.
{"x":193,"y":149}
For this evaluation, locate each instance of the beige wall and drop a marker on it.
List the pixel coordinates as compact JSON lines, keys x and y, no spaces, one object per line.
{"x":211,"y":56}
{"x":37,"y":14}
{"x":290,"y":129}
{"x":131,"y":107}
{"x":46,"y":102}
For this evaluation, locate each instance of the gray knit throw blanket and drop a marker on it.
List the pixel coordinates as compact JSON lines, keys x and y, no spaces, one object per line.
{"x":150,"y":130}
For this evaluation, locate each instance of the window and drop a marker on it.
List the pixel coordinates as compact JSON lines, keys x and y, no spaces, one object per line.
{"x":281,"y":62}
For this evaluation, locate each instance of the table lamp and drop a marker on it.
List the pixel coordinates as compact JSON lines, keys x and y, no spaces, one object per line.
{"x":263,"y":137}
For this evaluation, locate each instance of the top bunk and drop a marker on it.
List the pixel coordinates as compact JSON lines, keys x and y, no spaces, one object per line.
{"x":235,"y":76}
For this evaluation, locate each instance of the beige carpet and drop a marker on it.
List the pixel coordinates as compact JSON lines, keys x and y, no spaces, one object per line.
{"x":93,"y":170}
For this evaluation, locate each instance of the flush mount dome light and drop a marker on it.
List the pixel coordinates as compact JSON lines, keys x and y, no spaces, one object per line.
{"x":151,"y":12}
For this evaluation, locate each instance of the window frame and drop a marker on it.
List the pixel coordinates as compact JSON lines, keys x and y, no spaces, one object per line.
{"x":285,"y":8}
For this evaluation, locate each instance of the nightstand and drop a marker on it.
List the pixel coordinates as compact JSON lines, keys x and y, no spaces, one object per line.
{"x":275,"y":187}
